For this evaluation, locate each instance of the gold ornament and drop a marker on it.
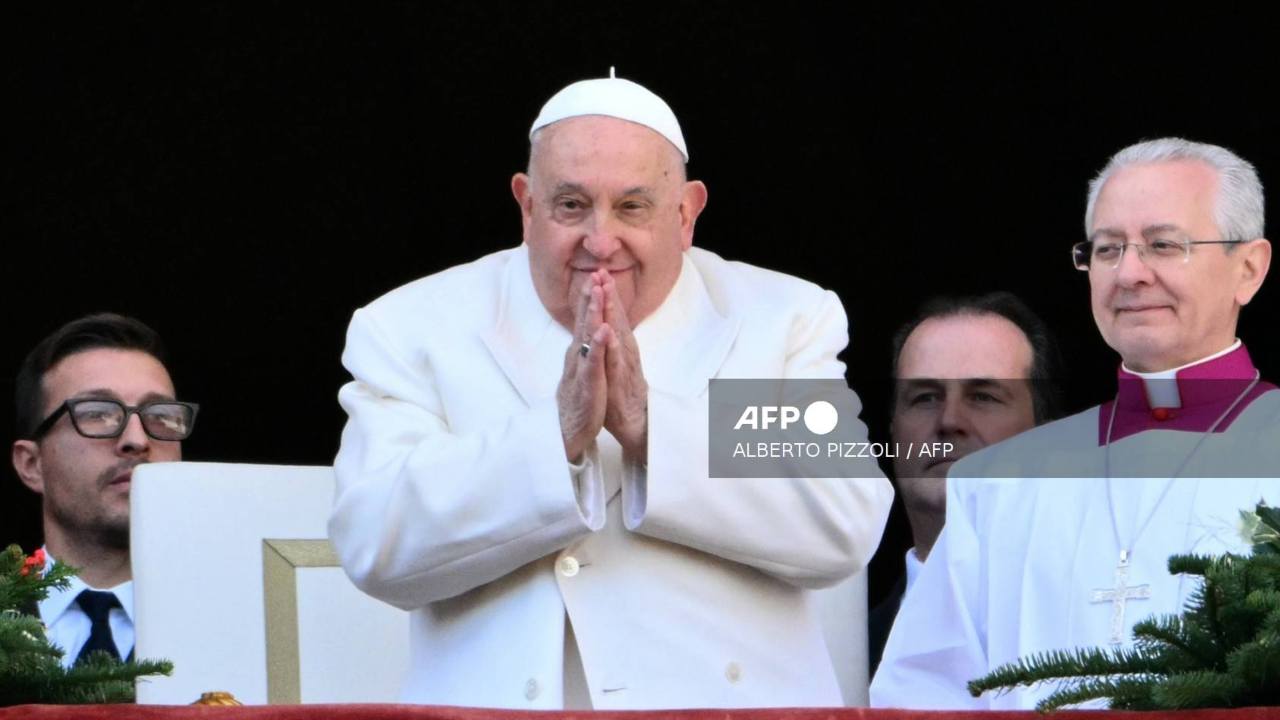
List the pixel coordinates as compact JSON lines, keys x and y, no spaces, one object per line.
{"x":218,"y":697}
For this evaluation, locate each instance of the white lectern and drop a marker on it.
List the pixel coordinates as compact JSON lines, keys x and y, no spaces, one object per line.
{"x":235,"y":582}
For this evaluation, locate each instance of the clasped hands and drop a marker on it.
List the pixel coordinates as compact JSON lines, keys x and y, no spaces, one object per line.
{"x":603,"y":384}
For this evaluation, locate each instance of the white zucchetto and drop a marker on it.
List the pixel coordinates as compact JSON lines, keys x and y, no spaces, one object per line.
{"x":617,"y":98}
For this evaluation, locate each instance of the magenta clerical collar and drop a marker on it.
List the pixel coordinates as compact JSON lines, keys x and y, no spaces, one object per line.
{"x":1205,"y":390}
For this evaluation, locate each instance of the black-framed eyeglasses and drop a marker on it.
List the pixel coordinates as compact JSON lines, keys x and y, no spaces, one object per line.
{"x":1157,"y":252}
{"x":101,"y":418}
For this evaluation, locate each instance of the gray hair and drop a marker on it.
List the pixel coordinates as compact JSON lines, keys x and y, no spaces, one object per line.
{"x":1239,"y":209}
{"x":536,"y":136}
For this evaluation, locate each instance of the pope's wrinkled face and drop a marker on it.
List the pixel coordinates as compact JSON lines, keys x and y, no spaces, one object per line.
{"x":604,"y":193}
{"x":1160,"y":315}
{"x":962,"y":379}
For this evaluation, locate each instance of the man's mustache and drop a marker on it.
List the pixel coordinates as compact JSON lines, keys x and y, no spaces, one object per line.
{"x":106,"y":477}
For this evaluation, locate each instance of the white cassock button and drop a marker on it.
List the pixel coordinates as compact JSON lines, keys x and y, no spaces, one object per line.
{"x":733,"y":672}
{"x":531,"y":689}
{"x":568,"y":566}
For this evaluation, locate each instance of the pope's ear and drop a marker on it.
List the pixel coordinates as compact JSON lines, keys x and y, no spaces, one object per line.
{"x":692,"y":201}
{"x":520,"y":189}
{"x":1255,"y":260}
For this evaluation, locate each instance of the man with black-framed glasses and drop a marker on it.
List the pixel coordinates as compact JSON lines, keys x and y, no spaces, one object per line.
{"x":94,"y":400}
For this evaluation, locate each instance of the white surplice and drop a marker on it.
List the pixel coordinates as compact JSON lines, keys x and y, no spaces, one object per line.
{"x":1029,"y":546}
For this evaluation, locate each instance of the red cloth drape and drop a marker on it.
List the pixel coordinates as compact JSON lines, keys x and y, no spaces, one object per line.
{"x":421,"y":712}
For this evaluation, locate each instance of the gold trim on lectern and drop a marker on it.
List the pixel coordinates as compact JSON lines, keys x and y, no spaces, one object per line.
{"x":280,"y":561}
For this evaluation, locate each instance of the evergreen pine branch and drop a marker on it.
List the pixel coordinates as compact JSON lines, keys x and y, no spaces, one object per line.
{"x":19,"y":591}
{"x":31,"y":668}
{"x":1061,"y":664}
{"x":1181,"y":644}
{"x":1187,"y":564}
{"x":1264,"y":602}
{"x":1257,"y":664}
{"x":1241,"y":618}
{"x":1222,"y":651}
{"x":1134,"y":693}
{"x":1204,"y":608}
{"x":21,"y":634}
{"x":1271,"y":623}
{"x":1198,"y":689}
{"x":1264,"y":571}
{"x":1258,"y":613}
{"x":99,"y":679}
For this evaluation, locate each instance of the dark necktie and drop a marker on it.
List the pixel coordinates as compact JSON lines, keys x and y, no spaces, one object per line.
{"x":97,"y":605}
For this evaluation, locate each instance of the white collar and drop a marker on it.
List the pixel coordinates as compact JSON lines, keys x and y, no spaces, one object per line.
{"x":1163,"y":393}
{"x":59,"y":601}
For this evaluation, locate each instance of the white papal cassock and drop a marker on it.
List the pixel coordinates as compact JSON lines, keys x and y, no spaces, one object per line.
{"x":1028,"y":559}
{"x":537,"y":585}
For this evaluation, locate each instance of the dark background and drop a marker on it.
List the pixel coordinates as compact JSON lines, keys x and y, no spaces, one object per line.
{"x":241,"y":177}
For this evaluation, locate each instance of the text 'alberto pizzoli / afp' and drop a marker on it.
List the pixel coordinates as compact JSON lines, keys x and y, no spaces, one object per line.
{"x":778,"y":450}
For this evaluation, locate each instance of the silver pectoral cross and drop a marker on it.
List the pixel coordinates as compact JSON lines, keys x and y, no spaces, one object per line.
{"x":1119,"y":595}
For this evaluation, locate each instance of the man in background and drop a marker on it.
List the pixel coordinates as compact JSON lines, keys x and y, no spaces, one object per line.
{"x":94,"y":400}
{"x":971,"y":372}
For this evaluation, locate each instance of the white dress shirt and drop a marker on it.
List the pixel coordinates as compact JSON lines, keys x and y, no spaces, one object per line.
{"x":69,"y":626}
{"x":914,"y":566}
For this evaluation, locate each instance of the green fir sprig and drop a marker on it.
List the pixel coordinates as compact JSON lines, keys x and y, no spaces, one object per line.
{"x":1222,"y":651}
{"x":31,"y":668}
